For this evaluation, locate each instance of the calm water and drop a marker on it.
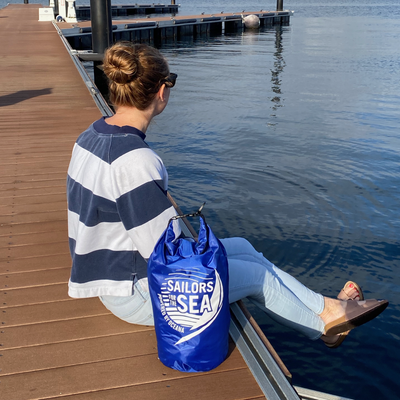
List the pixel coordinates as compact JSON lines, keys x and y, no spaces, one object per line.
{"x":292,"y":136}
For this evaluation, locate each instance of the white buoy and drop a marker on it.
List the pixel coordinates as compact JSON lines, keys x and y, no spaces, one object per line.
{"x":251,"y":21}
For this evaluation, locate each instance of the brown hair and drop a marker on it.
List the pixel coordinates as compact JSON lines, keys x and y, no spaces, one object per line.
{"x":134,"y":73}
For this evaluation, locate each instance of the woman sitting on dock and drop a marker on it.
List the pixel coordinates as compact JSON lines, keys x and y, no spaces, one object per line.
{"x":118,"y":208}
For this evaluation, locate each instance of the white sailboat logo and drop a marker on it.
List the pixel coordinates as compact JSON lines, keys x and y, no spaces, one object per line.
{"x":192,"y":300}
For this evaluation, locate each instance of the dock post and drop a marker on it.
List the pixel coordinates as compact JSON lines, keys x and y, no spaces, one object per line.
{"x":100,"y":15}
{"x":55,"y":6}
{"x":172,"y":4}
{"x":279,"y":5}
{"x":26,"y":1}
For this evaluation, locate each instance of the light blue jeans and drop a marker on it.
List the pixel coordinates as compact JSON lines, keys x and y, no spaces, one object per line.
{"x":251,"y":275}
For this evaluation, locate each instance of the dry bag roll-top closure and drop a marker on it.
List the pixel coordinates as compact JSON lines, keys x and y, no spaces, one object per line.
{"x":188,"y":282}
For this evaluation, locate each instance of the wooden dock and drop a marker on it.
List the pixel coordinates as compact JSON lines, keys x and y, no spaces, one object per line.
{"x":52,"y":346}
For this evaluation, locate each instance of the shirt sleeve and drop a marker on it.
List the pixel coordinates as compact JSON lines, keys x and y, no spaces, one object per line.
{"x":140,"y":184}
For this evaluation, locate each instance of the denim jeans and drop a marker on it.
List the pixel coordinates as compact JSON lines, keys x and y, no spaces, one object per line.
{"x":251,"y":275}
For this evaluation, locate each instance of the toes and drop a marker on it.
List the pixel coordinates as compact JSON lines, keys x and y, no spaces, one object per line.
{"x":350,"y":292}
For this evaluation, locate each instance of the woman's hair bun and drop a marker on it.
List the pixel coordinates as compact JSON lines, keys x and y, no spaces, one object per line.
{"x":121,"y":65}
{"x":135,"y":73}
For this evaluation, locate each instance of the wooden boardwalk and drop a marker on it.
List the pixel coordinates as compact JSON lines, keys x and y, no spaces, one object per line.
{"x":52,"y":346}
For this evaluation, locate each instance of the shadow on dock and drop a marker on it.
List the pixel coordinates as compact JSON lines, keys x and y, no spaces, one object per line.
{"x":22,"y":95}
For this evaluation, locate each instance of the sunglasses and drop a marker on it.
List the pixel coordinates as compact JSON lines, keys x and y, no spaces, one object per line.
{"x":169,"y":80}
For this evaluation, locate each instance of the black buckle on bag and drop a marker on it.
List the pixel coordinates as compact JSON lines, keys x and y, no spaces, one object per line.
{"x":195,"y":214}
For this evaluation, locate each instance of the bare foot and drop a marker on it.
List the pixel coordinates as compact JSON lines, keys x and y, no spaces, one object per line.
{"x":350,"y":291}
{"x":333,"y":310}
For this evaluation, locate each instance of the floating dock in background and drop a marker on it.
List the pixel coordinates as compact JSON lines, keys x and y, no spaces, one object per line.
{"x":161,"y":29}
{"x":83,"y":12}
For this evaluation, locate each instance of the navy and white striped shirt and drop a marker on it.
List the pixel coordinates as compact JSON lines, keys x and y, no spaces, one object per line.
{"x":117,"y":209}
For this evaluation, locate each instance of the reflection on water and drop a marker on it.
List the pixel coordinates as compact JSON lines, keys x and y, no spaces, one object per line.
{"x":279,"y":64}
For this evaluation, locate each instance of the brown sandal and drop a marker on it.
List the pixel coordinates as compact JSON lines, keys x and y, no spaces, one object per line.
{"x":350,"y":291}
{"x":356,"y":314}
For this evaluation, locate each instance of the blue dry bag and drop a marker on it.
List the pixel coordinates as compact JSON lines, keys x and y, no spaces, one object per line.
{"x":188,"y":284}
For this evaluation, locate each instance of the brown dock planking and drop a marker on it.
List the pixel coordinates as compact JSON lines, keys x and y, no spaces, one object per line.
{"x":52,"y":346}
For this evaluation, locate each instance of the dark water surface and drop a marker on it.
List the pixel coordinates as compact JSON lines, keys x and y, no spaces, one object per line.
{"x":292,"y":136}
